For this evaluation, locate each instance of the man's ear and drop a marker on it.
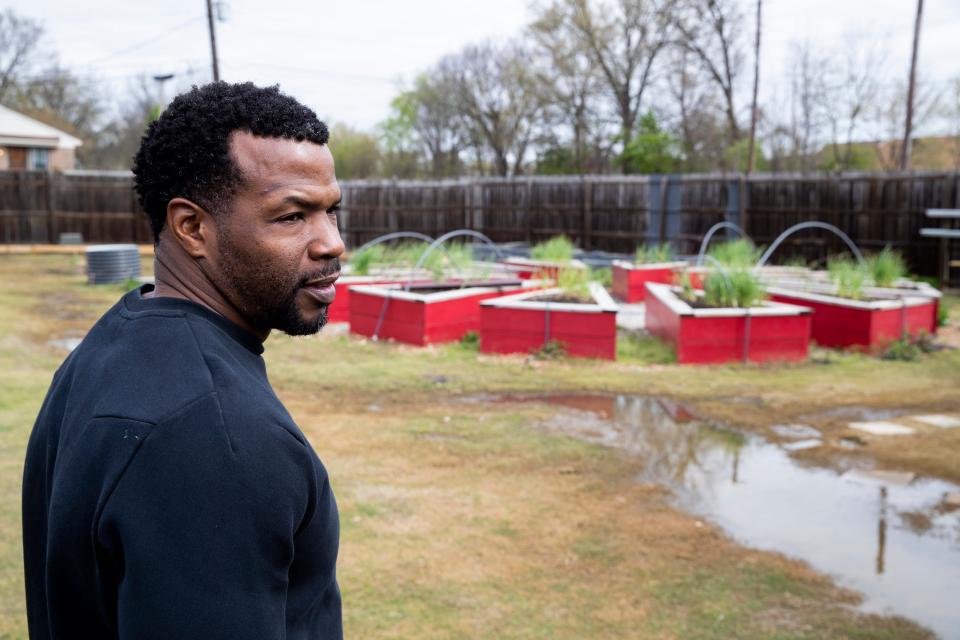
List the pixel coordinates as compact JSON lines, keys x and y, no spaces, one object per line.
{"x":191,"y":226}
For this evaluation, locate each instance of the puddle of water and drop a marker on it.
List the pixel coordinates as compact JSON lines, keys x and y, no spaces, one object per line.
{"x":855,"y":412}
{"x":895,"y":542}
{"x":798,"y":431}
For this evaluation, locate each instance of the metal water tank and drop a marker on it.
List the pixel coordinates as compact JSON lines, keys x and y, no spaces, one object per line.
{"x":112,"y":263}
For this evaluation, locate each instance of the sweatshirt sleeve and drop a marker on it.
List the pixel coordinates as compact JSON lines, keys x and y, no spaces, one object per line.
{"x":199,"y":531}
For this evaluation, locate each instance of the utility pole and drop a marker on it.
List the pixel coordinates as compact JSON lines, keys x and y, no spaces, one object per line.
{"x":213,"y":41}
{"x":906,"y":149}
{"x":756,"y":84}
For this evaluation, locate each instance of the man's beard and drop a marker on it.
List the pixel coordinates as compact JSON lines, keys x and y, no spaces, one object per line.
{"x":267,"y":298}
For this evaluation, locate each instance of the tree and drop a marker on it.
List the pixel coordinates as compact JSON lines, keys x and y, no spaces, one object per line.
{"x":438,"y":125}
{"x":888,"y":117}
{"x":114,"y":142}
{"x":19,"y":40}
{"x":702,"y":133}
{"x":570,"y":84}
{"x":849,"y":92}
{"x":756,"y":84}
{"x":953,"y":116}
{"x":401,"y":148}
{"x":652,"y":150}
{"x":496,"y":98}
{"x":712,"y":31}
{"x":810,"y":102}
{"x":622,"y":38}
{"x":355,"y":153}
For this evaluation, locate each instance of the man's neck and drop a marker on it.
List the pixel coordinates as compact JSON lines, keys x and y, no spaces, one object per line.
{"x":178,"y":275}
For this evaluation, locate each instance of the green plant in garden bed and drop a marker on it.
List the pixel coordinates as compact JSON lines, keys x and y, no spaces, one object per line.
{"x":406,"y":255}
{"x":732,"y":282}
{"x":736,"y":254}
{"x":603,"y":276}
{"x":652,"y":254}
{"x":575,"y":283}
{"x":886,"y":267}
{"x":361,"y":261}
{"x":558,"y":249}
{"x":849,"y":276}
{"x":736,"y":287}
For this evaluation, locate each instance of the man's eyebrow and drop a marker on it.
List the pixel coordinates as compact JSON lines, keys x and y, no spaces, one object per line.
{"x":299,"y":201}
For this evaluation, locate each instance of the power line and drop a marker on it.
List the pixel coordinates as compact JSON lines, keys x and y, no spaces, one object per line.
{"x":322,"y":72}
{"x":144,"y":43}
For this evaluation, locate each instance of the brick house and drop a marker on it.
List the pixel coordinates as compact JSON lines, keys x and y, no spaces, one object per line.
{"x":26,"y":143}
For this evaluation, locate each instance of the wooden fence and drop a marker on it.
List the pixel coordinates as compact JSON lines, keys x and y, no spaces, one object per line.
{"x":612,"y":213}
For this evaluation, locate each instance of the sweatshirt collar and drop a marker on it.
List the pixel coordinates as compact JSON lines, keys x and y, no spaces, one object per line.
{"x":135,"y":301}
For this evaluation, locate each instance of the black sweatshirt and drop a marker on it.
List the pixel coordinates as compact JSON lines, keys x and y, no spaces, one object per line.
{"x":168,"y":494}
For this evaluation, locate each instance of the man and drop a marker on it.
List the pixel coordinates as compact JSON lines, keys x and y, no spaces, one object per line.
{"x":167,"y":493}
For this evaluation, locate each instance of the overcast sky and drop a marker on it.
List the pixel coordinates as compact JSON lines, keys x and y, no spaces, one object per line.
{"x":348,"y":59}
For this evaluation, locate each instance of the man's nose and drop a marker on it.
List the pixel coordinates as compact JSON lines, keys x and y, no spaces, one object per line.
{"x":325,"y":240}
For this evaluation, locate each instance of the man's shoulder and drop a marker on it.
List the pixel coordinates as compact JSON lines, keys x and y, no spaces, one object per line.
{"x":138,"y":365}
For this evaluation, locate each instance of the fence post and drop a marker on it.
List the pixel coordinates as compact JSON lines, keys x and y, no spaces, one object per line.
{"x":52,"y":188}
{"x":476,"y":200}
{"x":586,"y":200}
{"x":744,"y":197}
{"x":393,"y":220}
{"x":664,"y":188}
{"x":529,"y":208}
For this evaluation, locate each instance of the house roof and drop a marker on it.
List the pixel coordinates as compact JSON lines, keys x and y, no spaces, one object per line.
{"x":18,"y":130}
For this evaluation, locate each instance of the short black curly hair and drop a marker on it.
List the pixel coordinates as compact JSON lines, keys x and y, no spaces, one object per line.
{"x":186,"y":152}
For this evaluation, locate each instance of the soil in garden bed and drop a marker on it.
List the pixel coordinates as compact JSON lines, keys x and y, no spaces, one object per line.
{"x":562,"y":298}
{"x":698,"y":303}
{"x":425,"y":289}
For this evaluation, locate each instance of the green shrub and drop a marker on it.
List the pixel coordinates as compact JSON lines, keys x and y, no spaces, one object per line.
{"x":686,"y":286}
{"x":943,"y":313}
{"x":558,"y":249}
{"x":470,"y":341}
{"x":575,"y":283}
{"x":886,"y":267}
{"x":733,"y":288}
{"x":552,"y":350}
{"x":736,"y":253}
{"x":362,"y":260}
{"x":849,"y":276}
{"x":649,"y":254}
{"x":603,"y":276}
{"x":908,"y":348}
{"x":457,"y":258}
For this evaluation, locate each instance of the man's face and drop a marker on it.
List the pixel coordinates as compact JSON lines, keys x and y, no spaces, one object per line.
{"x":278,"y":242}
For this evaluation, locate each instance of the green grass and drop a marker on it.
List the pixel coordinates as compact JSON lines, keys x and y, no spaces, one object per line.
{"x":459,"y":517}
{"x":636,"y":348}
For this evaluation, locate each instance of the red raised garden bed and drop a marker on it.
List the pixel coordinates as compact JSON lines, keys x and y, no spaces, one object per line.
{"x":427,"y":314}
{"x":630,"y":279}
{"x":526,"y":322}
{"x":772,"y":332}
{"x":872,"y":323}
{"x":339,"y":311}
{"x":528,"y":268}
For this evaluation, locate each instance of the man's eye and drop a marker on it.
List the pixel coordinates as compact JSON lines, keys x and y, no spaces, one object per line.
{"x":333,"y":211}
{"x":293,"y":217}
